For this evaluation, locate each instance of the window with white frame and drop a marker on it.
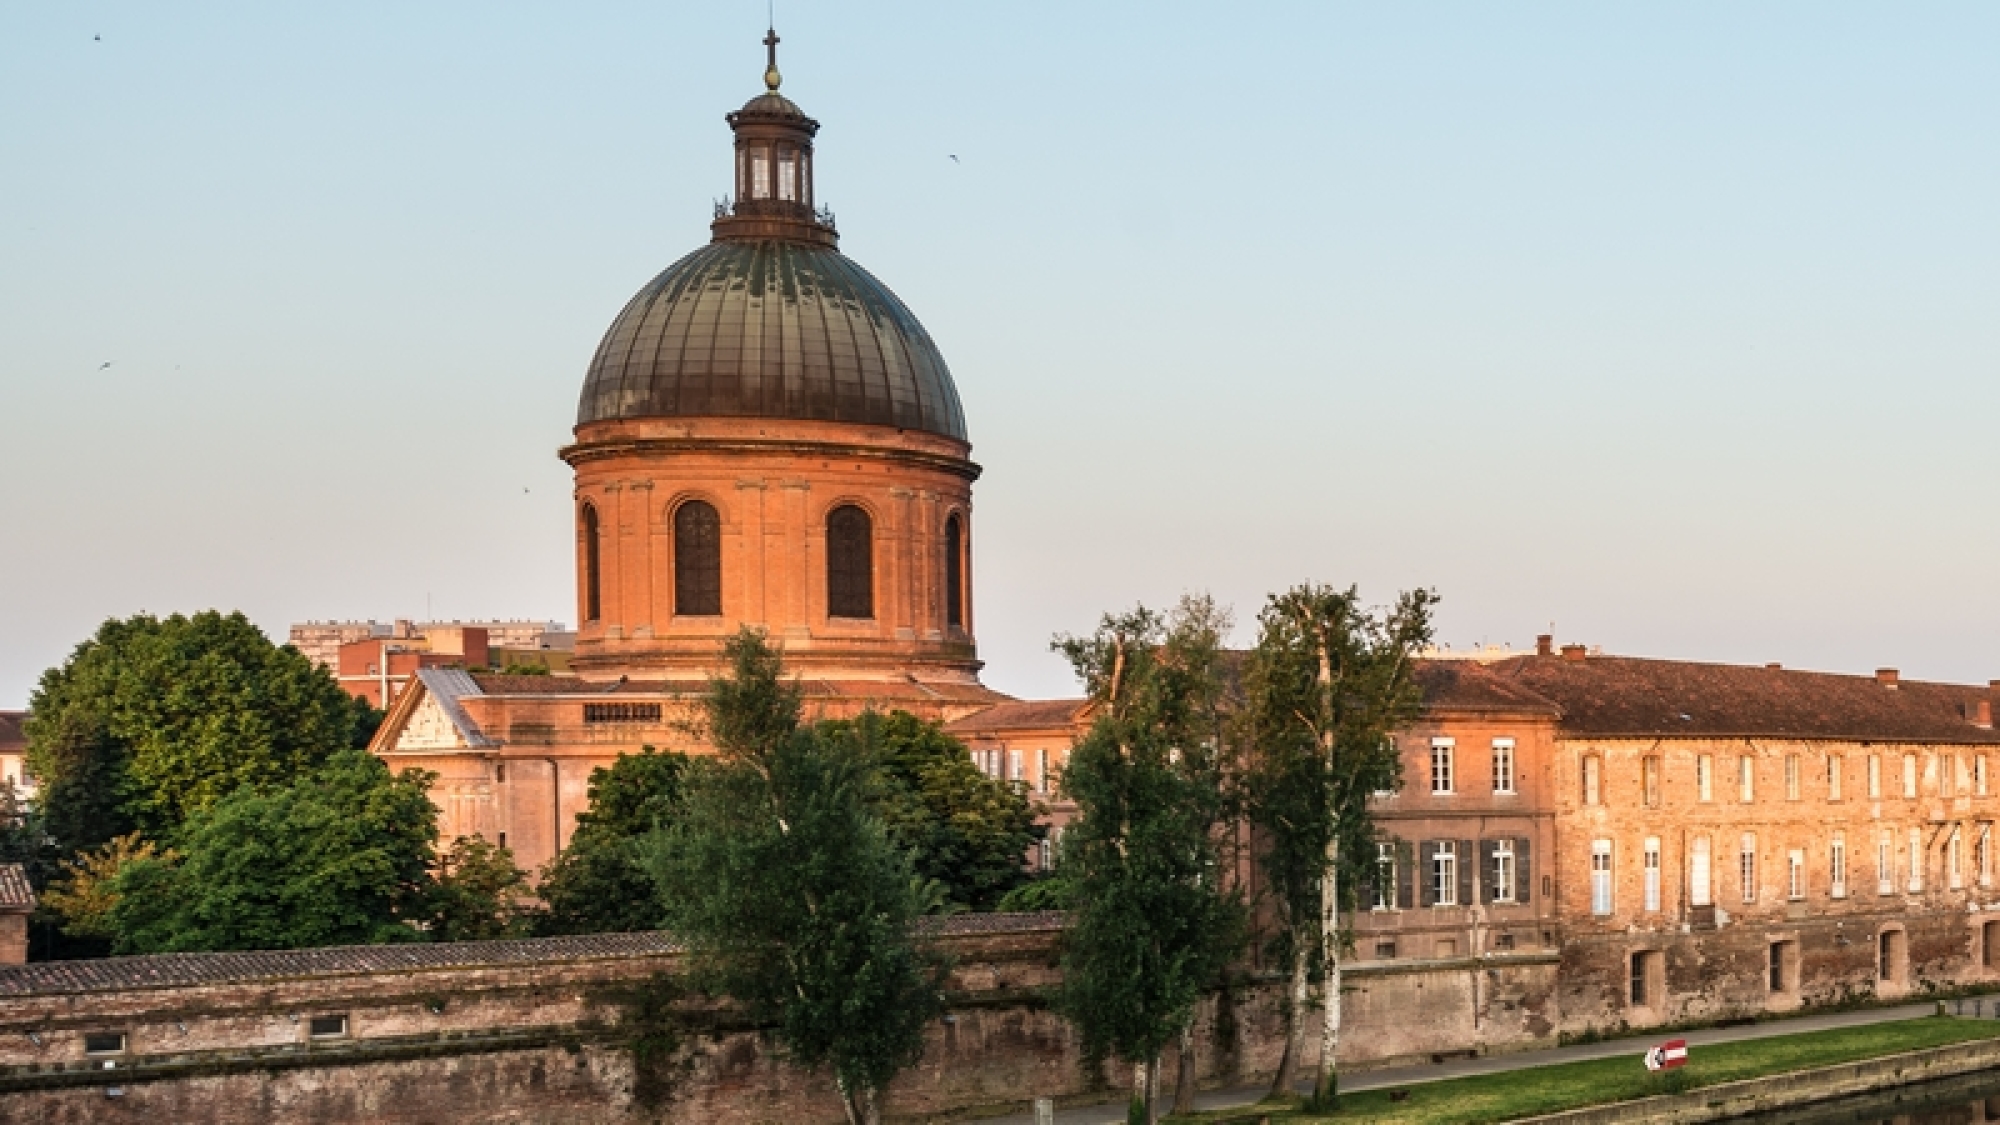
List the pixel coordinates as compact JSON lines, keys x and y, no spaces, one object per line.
{"x":1652,"y":855}
{"x":1979,"y":776}
{"x":1984,"y":856}
{"x":1503,"y":870}
{"x":1834,"y":768}
{"x":1590,"y":779}
{"x":1385,"y":876}
{"x":1746,"y":866}
{"x":1874,"y":777}
{"x":1836,"y":873}
{"x":1885,"y":865}
{"x":1746,"y":779}
{"x":1795,"y":874}
{"x":1503,"y":765}
{"x":1444,"y":873}
{"x":1441,"y":765}
{"x":1909,"y":777}
{"x":1916,"y":883}
{"x":1953,"y":861}
{"x":1699,"y":873}
{"x":1704,"y":779}
{"x":1961,"y":778}
{"x":1600,"y":877}
{"x":1649,"y":778}
{"x":1791,"y":777}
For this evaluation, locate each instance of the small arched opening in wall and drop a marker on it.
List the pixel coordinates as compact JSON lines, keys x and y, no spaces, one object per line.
{"x":697,"y":555}
{"x":1646,"y":986}
{"x":1783,"y":967}
{"x":1988,"y":945}
{"x":593,"y":582}
{"x":954,"y":573}
{"x":850,"y":562}
{"x":1892,"y":960}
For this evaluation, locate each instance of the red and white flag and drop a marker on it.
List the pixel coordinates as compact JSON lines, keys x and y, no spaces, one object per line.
{"x":1668,"y":1055}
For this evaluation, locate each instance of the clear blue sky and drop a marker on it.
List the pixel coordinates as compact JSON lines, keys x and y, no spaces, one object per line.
{"x":1676,"y":325}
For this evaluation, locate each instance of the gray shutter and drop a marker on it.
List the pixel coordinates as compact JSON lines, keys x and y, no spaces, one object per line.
{"x":1487,"y":848}
{"x":1426,"y":879}
{"x":1524,"y":882}
{"x":1466,"y":882}
{"x":1406,"y":875}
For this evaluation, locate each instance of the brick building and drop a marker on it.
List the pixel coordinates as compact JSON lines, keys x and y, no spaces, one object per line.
{"x":766,"y":436}
{"x":14,"y":752}
{"x":320,"y":641}
{"x":17,"y":902}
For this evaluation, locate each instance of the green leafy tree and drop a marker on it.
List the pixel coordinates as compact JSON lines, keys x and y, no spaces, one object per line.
{"x":1154,"y":925}
{"x":788,"y":891}
{"x":967,"y":832}
{"x":597,"y":884}
{"x":342,"y":856}
{"x":156,"y":719}
{"x":479,"y":893}
{"x":83,"y":892}
{"x":1326,"y":688}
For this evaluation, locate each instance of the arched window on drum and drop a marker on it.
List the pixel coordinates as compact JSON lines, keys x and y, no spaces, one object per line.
{"x":697,"y":560}
{"x":850,"y":563}
{"x":954,"y":573}
{"x":593,"y":600}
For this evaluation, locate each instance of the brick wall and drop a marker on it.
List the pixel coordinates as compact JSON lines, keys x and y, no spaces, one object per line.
{"x":528,"y":1033}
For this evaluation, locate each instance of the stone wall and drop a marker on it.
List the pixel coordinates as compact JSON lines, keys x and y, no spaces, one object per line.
{"x":539,"y":1031}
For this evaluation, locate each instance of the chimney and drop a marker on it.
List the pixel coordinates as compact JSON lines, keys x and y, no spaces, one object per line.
{"x":1983,"y":715}
{"x":1575,"y":652}
{"x":1887,"y":677}
{"x":1545,"y":644}
{"x":1775,"y":666}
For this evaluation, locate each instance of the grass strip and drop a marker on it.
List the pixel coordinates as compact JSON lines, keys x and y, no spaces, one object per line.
{"x":1508,"y":1095}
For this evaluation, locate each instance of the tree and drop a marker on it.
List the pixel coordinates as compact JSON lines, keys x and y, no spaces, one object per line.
{"x":1326,"y":688}
{"x":788,"y":892}
{"x":83,"y":892}
{"x":1154,"y":925}
{"x":342,"y":856}
{"x":478,"y":893}
{"x":967,"y":832}
{"x":597,"y":884}
{"x":153,"y":720}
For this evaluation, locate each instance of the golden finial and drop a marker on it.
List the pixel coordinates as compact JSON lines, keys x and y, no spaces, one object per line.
{"x":771,"y":75}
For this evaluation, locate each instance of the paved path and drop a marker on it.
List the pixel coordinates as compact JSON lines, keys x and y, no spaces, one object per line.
{"x":1113,"y":1113}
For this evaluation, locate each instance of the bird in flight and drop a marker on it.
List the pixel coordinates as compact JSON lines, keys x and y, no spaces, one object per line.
{"x":954,"y":157}
{"x":98,"y":38}
{"x":104,"y":365}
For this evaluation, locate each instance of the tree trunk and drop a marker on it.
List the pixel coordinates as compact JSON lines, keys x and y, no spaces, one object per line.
{"x":1326,"y":1089}
{"x":1184,"y":1081}
{"x":1139,"y":1093}
{"x":1295,"y":1018}
{"x":862,"y":1106}
{"x":1153,"y":1091}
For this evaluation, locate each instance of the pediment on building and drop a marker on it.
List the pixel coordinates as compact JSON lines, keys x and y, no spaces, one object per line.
{"x":429,"y":716}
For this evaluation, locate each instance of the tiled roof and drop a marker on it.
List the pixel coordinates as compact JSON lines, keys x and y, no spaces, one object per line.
{"x":1465,"y":685}
{"x":183,"y":970}
{"x":16,"y":895}
{"x":13,"y":732}
{"x":1027,"y":714}
{"x":1622,"y":695}
{"x":889,"y":690}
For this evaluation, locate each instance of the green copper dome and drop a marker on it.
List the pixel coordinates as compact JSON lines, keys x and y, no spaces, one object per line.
{"x":771,"y":329}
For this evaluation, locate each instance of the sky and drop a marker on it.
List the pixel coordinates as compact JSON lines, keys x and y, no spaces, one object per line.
{"x":1674,"y":328}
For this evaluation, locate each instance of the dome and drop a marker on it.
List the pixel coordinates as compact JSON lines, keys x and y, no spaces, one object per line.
{"x":771,"y":328}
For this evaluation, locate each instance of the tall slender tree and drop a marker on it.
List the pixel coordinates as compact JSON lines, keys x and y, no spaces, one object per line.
{"x":1155,"y":923}
{"x":1325,"y":690}
{"x":787,"y":890}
